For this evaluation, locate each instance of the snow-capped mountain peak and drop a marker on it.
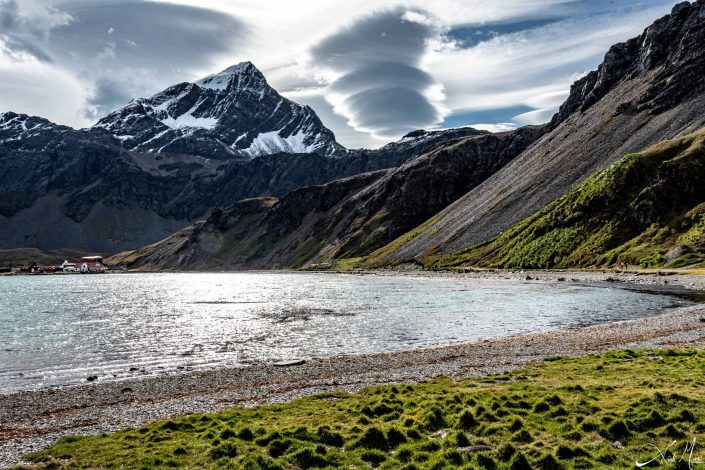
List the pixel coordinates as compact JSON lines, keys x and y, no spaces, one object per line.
{"x":231,"y":114}
{"x":220,"y":81}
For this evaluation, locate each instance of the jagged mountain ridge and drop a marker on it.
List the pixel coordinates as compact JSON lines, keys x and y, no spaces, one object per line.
{"x":342,"y":219}
{"x":82,"y":189}
{"x":647,"y":90}
{"x":233,"y":114}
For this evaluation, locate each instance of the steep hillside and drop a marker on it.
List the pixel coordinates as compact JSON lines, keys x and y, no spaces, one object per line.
{"x":647,"y":209}
{"x":253,"y":233}
{"x":343,"y":219}
{"x":418,"y":189}
{"x":647,"y":90}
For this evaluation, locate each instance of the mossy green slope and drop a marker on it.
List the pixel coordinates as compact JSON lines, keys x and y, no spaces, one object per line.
{"x":647,"y":209}
{"x":593,"y":412}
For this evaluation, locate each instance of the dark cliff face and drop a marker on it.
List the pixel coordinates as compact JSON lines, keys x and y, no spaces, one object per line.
{"x":277,"y":175}
{"x":648,"y":90}
{"x":234,"y":114}
{"x":38,"y":156}
{"x":345,"y":218}
{"x":672,"y":44}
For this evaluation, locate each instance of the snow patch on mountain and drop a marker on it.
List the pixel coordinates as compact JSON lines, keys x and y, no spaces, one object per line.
{"x":15,"y":127}
{"x":188,"y":120}
{"x":220,"y":81}
{"x":272,"y":142}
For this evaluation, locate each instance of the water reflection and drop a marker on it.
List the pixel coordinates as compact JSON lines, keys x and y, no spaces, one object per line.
{"x":57,"y":330}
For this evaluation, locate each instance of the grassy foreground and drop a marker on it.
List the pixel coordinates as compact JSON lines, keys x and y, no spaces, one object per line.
{"x":593,"y":412}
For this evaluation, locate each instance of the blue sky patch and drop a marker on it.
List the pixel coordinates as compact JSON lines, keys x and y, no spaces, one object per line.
{"x":468,"y":36}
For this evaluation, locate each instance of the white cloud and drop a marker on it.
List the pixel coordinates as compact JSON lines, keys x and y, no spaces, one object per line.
{"x":496,"y":127}
{"x":539,"y":116}
{"x":40,"y":89}
{"x":344,"y":132}
{"x":110,"y":55}
{"x":533,"y":68}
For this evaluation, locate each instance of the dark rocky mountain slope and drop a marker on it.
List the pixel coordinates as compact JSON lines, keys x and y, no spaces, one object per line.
{"x":82,"y":189}
{"x":647,"y":209}
{"x":342,"y":219}
{"x":647,"y":90}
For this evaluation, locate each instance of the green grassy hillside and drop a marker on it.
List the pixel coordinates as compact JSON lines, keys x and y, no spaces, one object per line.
{"x":594,"y":412}
{"x":647,"y":209}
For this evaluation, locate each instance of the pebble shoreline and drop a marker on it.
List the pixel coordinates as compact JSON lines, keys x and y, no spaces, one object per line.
{"x":33,"y":420}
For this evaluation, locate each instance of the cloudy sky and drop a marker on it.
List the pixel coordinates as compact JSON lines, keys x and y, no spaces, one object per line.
{"x":373,"y":70}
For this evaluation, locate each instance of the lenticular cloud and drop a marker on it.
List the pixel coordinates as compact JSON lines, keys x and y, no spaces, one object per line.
{"x":381,"y":88}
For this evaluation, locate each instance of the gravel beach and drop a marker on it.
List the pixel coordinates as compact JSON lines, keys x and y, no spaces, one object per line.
{"x":33,"y":420}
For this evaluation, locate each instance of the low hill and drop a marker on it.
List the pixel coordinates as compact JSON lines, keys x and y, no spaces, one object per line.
{"x":19,"y":257}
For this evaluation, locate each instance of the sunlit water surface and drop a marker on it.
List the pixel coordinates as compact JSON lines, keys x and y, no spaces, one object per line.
{"x":58,"y":330}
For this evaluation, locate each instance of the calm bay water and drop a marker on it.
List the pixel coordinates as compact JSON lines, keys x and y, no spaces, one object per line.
{"x":57,"y":330}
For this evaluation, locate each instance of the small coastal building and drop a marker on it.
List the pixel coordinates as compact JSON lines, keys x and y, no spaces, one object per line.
{"x":91,"y":264}
{"x":67,"y":267}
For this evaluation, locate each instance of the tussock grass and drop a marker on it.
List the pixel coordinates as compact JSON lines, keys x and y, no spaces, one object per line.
{"x":590,"y":412}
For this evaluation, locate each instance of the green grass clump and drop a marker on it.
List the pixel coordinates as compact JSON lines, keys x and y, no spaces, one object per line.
{"x":603,"y":411}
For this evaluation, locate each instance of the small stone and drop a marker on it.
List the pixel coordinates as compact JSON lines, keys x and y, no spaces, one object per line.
{"x":439,"y":434}
{"x":126,"y":390}
{"x":476,"y":448}
{"x":92,"y":378}
{"x":289,"y":363}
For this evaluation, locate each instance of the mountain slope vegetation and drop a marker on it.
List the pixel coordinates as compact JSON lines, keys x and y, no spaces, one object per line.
{"x":647,"y":209}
